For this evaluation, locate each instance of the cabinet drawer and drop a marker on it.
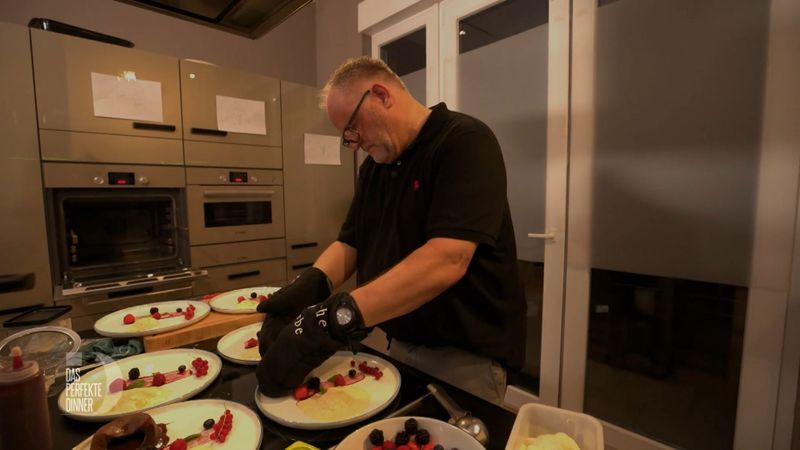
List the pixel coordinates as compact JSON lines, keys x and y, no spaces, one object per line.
{"x":204,"y":256}
{"x":65,"y":99}
{"x":237,"y":276}
{"x":220,"y":154}
{"x":202,"y":83}
{"x":109,"y":148}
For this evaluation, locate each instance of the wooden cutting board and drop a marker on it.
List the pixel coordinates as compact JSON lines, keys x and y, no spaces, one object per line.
{"x":213,"y":325}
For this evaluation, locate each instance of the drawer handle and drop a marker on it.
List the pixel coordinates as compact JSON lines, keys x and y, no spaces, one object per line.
{"x":153,"y":126}
{"x":301,"y":266}
{"x":237,"y":194}
{"x":304,"y":245}
{"x":209,"y":131}
{"x":252,"y":273}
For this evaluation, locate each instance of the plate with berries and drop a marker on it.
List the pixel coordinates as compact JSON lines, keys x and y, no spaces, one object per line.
{"x":240,"y":346}
{"x":415,"y":433}
{"x":152,"y":318}
{"x":241,"y":301}
{"x":199,"y":424}
{"x":138,"y":383}
{"x":344,"y":390}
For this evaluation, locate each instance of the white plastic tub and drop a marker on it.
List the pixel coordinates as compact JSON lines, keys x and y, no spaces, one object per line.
{"x":535,"y":419}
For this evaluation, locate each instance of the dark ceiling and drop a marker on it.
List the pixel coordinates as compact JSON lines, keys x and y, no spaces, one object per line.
{"x":250,"y":18}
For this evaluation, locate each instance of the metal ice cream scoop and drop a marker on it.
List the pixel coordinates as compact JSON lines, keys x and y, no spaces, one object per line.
{"x":472,"y":425}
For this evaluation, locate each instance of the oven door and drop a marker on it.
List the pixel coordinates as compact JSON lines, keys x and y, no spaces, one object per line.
{"x":234,"y":213}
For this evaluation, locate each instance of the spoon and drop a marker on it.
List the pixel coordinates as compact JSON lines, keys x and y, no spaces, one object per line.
{"x":470,"y":424}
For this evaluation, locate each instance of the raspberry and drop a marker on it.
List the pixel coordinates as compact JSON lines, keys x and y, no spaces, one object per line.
{"x":301,"y":393}
{"x":389,"y":445}
{"x":401,"y":438}
{"x":262,"y":298}
{"x":116,"y":385}
{"x":128,"y":319}
{"x":339,"y":381}
{"x":430,"y":446}
{"x":376,"y":437}
{"x":422,"y":437}
{"x":240,"y":299}
{"x":133,"y":373}
{"x":156,"y":315}
{"x":159,"y":379}
{"x":190,"y":308}
{"x":252,"y":342}
{"x":179,"y":444}
{"x":411,"y":426}
{"x":413,"y":445}
{"x":403,"y":447}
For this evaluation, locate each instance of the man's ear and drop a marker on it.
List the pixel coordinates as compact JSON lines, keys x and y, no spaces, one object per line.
{"x":383,"y":94}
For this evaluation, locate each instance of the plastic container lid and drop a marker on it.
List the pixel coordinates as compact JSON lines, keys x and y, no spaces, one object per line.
{"x":10,"y":376}
{"x":47,"y":346}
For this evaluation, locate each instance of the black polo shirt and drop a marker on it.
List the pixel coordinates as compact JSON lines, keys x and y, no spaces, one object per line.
{"x":450,"y":182}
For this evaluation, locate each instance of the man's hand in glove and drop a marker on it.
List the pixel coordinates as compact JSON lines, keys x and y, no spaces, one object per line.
{"x":312,"y":286}
{"x":316,"y":334}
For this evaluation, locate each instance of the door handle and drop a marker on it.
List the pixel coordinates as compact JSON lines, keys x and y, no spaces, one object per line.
{"x":551,"y":236}
{"x":237,"y":194}
{"x":208,"y":131}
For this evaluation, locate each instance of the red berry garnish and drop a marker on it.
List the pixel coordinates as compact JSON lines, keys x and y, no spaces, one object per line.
{"x":301,"y":393}
{"x":156,"y":315}
{"x":262,"y":298}
{"x":179,"y":444}
{"x":389,"y":445}
{"x":240,"y":299}
{"x":128,"y":319}
{"x":116,"y":385}
{"x":252,"y":342}
{"x":339,"y":380}
{"x":159,"y":379}
{"x":353,"y":363}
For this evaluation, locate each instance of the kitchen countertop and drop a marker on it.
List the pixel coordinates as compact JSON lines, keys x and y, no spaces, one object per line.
{"x":238,"y":383}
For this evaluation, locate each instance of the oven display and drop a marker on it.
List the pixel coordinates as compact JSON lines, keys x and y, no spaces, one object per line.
{"x":121,"y":178}
{"x":237,"y":177}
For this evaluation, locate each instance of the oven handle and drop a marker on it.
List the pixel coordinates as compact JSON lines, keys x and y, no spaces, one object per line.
{"x":237,"y":194}
{"x":134,"y":284}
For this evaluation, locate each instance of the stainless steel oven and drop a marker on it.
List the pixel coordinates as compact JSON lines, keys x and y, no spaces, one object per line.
{"x":118,"y":235}
{"x":234,"y":205}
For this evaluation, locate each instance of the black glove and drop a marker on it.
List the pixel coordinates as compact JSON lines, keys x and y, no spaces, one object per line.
{"x":310,"y":287}
{"x":317,"y":333}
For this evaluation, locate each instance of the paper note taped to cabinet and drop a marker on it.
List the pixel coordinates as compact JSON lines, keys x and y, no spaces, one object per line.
{"x":126,"y":98}
{"x":240,"y":115}
{"x":321,"y":149}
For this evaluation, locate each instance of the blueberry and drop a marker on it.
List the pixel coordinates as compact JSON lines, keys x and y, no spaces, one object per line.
{"x":208,"y":424}
{"x":352,"y":373}
{"x":253,"y":295}
{"x":179,"y":310}
{"x":133,"y":373}
{"x":438,"y":447}
{"x":376,"y":437}
{"x":401,"y":438}
{"x":411,"y":426}
{"x":422,"y":437}
{"x":181,"y":368}
{"x":313,"y":383}
{"x":153,"y":310}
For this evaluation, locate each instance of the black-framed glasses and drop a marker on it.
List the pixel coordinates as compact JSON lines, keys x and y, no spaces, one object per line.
{"x":350,"y":135}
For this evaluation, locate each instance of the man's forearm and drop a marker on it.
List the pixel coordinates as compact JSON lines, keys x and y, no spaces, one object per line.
{"x":338,"y":261}
{"x":415,"y":280}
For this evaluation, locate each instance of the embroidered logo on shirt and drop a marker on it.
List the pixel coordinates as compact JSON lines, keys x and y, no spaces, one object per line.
{"x":416,"y":185}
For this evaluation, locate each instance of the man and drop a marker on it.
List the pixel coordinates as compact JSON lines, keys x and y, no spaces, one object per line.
{"x":429,"y":235}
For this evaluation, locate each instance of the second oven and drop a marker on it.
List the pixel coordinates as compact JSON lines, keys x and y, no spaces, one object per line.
{"x":234,"y":205}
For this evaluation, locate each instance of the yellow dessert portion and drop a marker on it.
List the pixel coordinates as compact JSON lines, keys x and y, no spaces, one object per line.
{"x":135,"y":399}
{"x":145,"y":323}
{"x":558,"y":441}
{"x":338,"y":403}
{"x":247,"y":304}
{"x":250,"y":354}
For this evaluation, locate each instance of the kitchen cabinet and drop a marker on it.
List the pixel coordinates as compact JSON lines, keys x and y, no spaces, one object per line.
{"x":100,"y":102}
{"x":317,"y":196}
{"x":23,"y":246}
{"x":240,"y":264}
{"x":231,"y":118}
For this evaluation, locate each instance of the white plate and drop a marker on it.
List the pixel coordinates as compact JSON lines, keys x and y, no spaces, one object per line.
{"x":93,"y":386}
{"x":231,"y":346}
{"x":186,"y":418}
{"x":112,"y":325}
{"x":441,"y":433}
{"x":374,"y":395}
{"x":227,"y":301}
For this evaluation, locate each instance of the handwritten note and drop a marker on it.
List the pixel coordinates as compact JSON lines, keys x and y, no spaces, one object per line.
{"x":239,"y":115}
{"x":126,"y":98}
{"x":321,"y":149}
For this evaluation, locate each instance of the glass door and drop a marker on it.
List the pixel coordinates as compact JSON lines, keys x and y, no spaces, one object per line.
{"x":679,"y":254}
{"x":506,"y":63}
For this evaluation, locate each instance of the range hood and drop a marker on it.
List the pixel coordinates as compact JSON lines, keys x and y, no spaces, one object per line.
{"x":250,"y":18}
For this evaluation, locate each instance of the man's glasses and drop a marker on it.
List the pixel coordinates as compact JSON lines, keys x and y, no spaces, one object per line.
{"x":350,"y":135}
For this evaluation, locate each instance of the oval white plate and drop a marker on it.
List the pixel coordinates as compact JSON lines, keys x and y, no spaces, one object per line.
{"x":186,"y":418}
{"x":112,"y":325}
{"x":441,"y":433}
{"x":231,"y":346}
{"x":106,"y":406}
{"x":285,"y":410}
{"x":227,"y":301}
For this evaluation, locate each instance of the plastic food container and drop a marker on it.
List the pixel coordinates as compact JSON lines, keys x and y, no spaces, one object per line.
{"x":535,"y":419}
{"x":49,"y":347}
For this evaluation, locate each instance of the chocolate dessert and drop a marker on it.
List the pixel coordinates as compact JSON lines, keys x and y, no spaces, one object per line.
{"x":132,"y":432}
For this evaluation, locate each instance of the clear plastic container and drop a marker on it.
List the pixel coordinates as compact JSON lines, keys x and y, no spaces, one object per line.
{"x":534,"y":419}
{"x":49,"y":347}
